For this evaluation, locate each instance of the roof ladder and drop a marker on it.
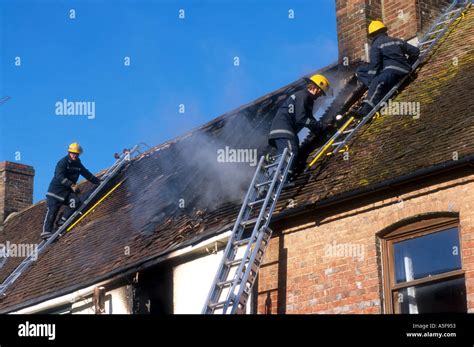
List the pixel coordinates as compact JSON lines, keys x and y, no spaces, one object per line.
{"x":120,"y":162}
{"x":338,"y":142}
{"x":243,"y":256}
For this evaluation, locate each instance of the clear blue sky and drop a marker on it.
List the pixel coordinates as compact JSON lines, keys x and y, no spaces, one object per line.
{"x":173,"y":62}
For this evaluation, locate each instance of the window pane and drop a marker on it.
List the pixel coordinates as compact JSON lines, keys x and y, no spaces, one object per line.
{"x":445,"y":296}
{"x":427,"y":255}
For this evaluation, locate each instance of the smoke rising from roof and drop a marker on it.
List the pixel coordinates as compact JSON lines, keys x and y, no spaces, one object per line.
{"x":186,"y":178}
{"x":200,"y":172}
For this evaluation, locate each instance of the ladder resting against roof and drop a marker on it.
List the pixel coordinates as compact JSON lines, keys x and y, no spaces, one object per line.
{"x":338,"y":142}
{"x":237,"y":272}
{"x":120,"y":162}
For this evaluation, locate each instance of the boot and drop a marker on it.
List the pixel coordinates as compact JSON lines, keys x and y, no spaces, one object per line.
{"x":46,"y":235}
{"x":61,"y":221}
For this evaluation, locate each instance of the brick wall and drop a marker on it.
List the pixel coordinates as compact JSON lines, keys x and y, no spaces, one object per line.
{"x":16,"y":188}
{"x":409,"y":17}
{"x":404,"y":18}
{"x":401,"y":17}
{"x":352,"y":18}
{"x":299,"y":276}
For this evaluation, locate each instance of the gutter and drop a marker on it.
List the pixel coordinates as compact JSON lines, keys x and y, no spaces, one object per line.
{"x":219,"y":235}
{"x":394,"y":182}
{"x":65,"y":299}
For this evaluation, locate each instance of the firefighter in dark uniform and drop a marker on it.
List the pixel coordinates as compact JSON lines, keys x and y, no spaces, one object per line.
{"x":63,"y":190}
{"x":295,"y":114}
{"x":390,"y":60}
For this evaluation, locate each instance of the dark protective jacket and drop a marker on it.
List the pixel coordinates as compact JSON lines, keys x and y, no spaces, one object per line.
{"x":295,"y":114}
{"x":389,"y":53}
{"x":66,"y":174}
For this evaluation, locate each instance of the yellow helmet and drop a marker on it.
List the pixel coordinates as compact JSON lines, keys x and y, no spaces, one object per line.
{"x":321,"y":81}
{"x":375,"y":26}
{"x":75,"y":148}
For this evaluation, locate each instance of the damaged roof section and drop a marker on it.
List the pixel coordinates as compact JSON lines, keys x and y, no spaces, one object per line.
{"x":179,"y":192}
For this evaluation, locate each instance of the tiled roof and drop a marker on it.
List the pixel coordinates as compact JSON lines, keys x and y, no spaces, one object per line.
{"x":146,"y":213}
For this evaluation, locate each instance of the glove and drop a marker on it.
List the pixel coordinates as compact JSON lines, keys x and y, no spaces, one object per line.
{"x":330,"y":128}
{"x":339,"y":121}
{"x":75,"y":188}
{"x":334,"y":124}
{"x":269,"y":158}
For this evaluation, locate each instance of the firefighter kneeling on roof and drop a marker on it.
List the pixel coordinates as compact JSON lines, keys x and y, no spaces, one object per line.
{"x":63,"y":189}
{"x":390,"y":60}
{"x":297,"y":113}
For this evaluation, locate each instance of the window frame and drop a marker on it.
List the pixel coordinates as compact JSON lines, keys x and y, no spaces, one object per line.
{"x":406,"y":232}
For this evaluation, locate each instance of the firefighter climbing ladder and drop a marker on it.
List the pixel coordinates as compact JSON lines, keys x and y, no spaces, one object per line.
{"x":120,"y":162}
{"x":236,"y":274}
{"x":338,"y":142}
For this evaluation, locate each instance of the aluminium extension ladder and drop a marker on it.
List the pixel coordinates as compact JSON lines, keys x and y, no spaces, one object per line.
{"x":109,"y":174}
{"x":338,"y":142}
{"x":237,"y":273}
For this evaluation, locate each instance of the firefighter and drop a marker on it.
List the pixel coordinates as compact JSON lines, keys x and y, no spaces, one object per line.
{"x":63,"y":189}
{"x":295,"y":114}
{"x":390,"y":60}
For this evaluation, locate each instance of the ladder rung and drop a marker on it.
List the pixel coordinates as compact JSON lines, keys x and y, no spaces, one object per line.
{"x":217,"y":305}
{"x":234,"y":262}
{"x":348,"y":131}
{"x":337,"y":143}
{"x":425,"y":42}
{"x":444,"y":22}
{"x":451,"y":12}
{"x":242,"y":242}
{"x":271,"y":165}
{"x":256,"y":202}
{"x":225,"y":283}
{"x":248,"y":222}
{"x":263,"y":184}
{"x":435,"y":32}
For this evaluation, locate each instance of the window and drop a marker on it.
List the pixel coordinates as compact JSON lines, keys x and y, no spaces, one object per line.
{"x":423,"y":268}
